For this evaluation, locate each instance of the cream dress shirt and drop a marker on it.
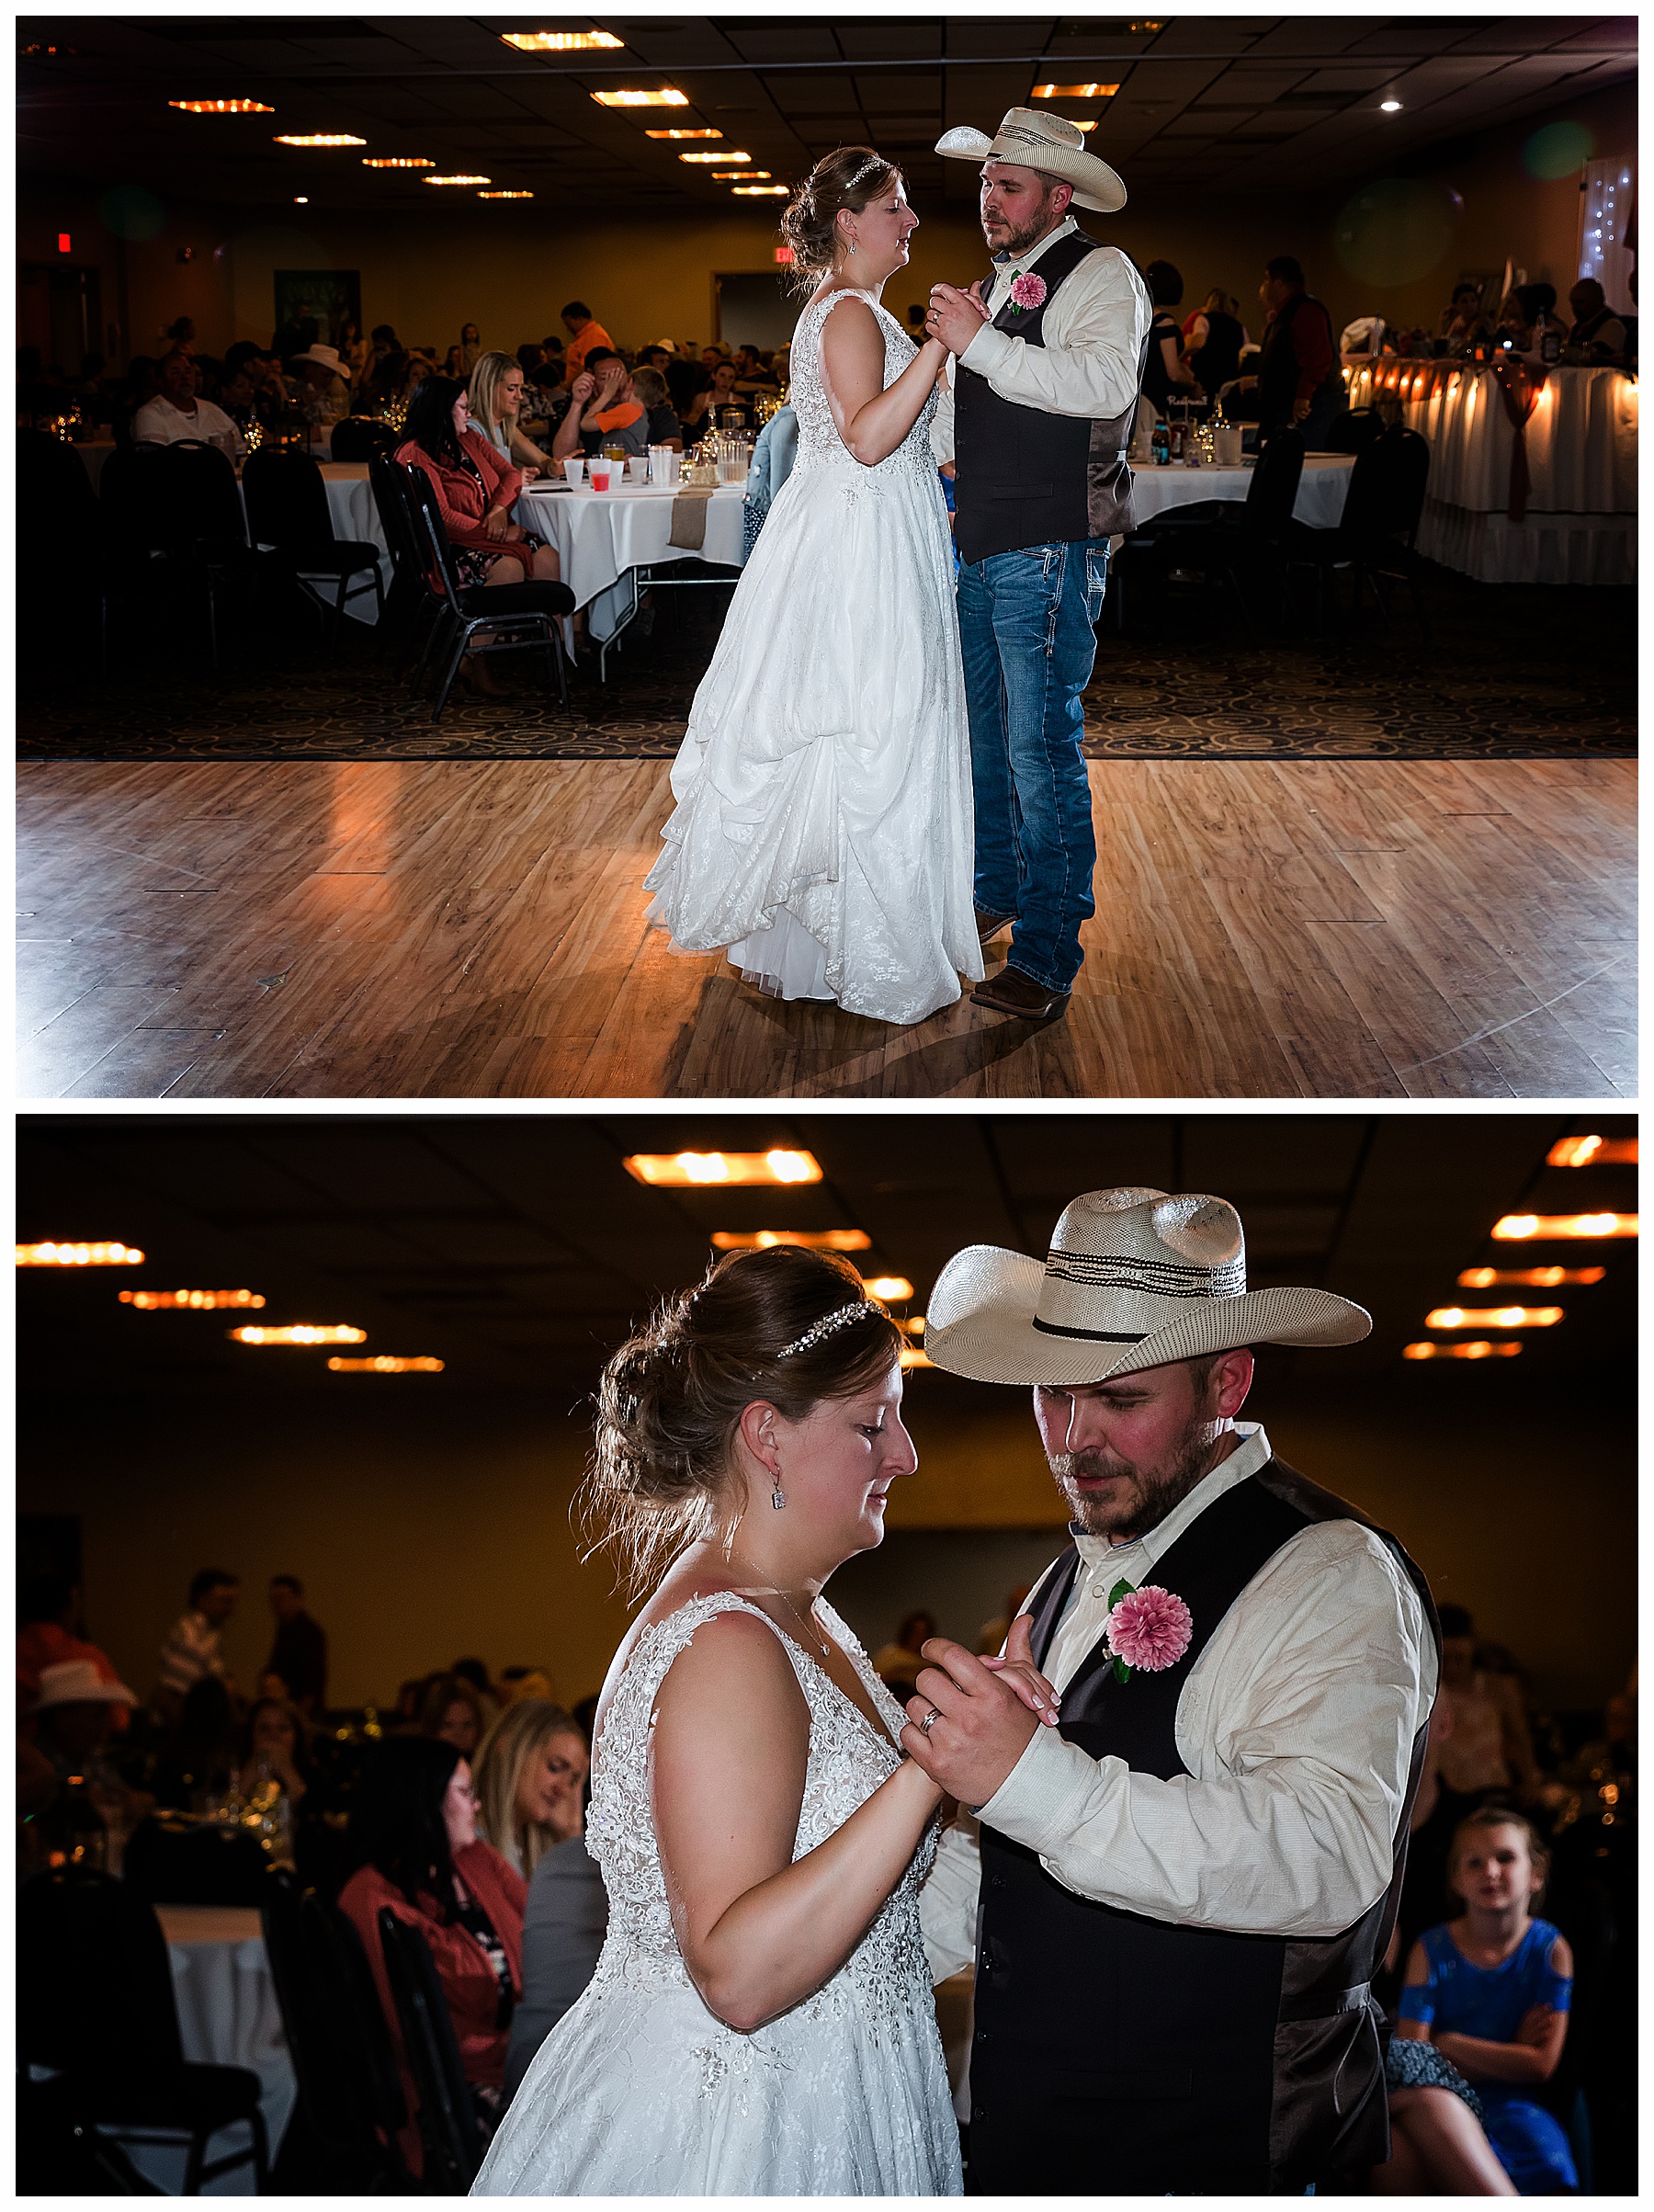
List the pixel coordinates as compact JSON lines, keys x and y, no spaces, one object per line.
{"x":159,"y":423}
{"x":1093,"y":333}
{"x":1296,"y":1725}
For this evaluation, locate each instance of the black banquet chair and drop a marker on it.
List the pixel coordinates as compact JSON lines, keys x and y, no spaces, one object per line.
{"x":1222,"y":540}
{"x":360,"y":436}
{"x":1377,"y":535}
{"x":448,"y":2132}
{"x":98,"y":2048}
{"x":410,"y":603}
{"x":530,"y":612}
{"x":288,"y":513}
{"x":171,"y":510}
{"x":350,"y":2100}
{"x":60,"y":538}
{"x":170,"y":1863}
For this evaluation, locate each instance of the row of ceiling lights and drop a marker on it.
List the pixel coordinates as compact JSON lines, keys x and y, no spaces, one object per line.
{"x":1568,"y":1151}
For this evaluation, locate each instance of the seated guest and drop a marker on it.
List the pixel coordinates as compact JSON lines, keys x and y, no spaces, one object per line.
{"x":751,"y":375}
{"x":352,"y":350}
{"x":660,"y":423}
{"x":1491,"y":1991}
{"x":320,"y":391}
{"x":586,"y":335}
{"x":603,"y":411}
{"x":1598,"y":336}
{"x":49,"y":1632}
{"x":176,"y":413}
{"x":468,"y":353}
{"x":685,"y":376}
{"x":452,"y":1711}
{"x":272,"y":1750}
{"x":72,"y":1717}
{"x":1462,"y":322}
{"x":1519,"y":313}
{"x":299,"y":1652}
{"x":413,"y":1828}
{"x":564,"y":1924}
{"x":719,"y":406}
{"x":201,"y":1763}
{"x":494,"y":397}
{"x":1166,"y":375}
{"x":531,"y":1775}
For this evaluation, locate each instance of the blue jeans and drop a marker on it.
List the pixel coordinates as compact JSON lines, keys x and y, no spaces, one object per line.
{"x":1026,"y":627}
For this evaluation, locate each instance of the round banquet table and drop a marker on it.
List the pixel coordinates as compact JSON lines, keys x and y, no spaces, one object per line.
{"x":1321,"y":492}
{"x":228,"y":2015}
{"x":602,"y":537}
{"x":1580,"y":524}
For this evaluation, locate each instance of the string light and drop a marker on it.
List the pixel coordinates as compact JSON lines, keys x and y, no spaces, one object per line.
{"x":301,"y":1333}
{"x":1526,"y":1278}
{"x":665,"y":97}
{"x":682,"y":134}
{"x":1493,"y":1317}
{"x":560,"y":41}
{"x":319,"y":138}
{"x":79,"y":1255}
{"x":195,"y":1301}
{"x":386,"y":1363}
{"x":813,"y":1240}
{"x":1519,"y":1227}
{"x":456,"y":180}
{"x":890,"y":1287}
{"x":397,"y":161}
{"x":1479,"y":1349}
{"x":1593,"y":1151}
{"x":728,"y":1168}
{"x":732,"y":155}
{"x":223,"y":107}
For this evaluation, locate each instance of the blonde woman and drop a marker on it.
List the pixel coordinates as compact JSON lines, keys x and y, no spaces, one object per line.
{"x":494,"y":397}
{"x":530,"y":1778}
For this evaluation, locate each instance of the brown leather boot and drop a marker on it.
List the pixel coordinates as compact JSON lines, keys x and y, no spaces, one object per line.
{"x":989,"y":926}
{"x":1012,"y":991}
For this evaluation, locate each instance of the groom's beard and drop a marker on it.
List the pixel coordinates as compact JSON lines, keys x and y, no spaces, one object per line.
{"x":1005,"y":238}
{"x":1147,"y":1493}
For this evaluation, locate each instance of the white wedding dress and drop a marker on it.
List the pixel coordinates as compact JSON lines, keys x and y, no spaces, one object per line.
{"x":639,"y":2091}
{"x":823,"y":830}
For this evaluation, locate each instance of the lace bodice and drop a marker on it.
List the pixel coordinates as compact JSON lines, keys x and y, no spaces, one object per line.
{"x":846,"y":1764}
{"x":820,"y":444}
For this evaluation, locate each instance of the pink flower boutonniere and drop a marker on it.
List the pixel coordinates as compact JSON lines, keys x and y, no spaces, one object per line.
{"x":1027,"y":291}
{"x":1150,"y":1627}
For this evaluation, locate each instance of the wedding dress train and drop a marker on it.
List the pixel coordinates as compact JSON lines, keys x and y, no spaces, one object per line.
{"x":823,"y":831}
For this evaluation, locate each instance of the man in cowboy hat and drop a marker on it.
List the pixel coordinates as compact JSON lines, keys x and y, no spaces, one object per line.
{"x":1034,"y":417}
{"x":322,"y":386}
{"x":1189,"y":1873}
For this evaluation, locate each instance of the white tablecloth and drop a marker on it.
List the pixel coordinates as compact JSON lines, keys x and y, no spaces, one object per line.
{"x":600,"y":534}
{"x":1580,"y":522}
{"x":228,"y":2015}
{"x":1320,"y":494}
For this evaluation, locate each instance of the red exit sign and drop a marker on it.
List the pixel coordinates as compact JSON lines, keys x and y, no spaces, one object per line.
{"x":65,"y":246}
{"x":783,"y":254}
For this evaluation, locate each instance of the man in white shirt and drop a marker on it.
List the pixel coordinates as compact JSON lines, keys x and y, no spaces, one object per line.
{"x":192,"y":1651}
{"x":1188,"y":1873}
{"x":1034,"y":417}
{"x":176,"y":413}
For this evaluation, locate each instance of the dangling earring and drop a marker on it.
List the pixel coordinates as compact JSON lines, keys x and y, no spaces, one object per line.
{"x":777,"y":1495}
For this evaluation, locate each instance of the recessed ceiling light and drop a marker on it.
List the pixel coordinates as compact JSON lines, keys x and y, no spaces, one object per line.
{"x":737,"y":177}
{"x":760,"y":191}
{"x":813,"y":1240}
{"x":665,"y":97}
{"x":558,"y":42}
{"x":1479,"y":1349}
{"x":691,"y":1169}
{"x":505,"y":196}
{"x":1515,"y":1229}
{"x":1391,"y":106}
{"x":302,"y":201}
{"x":223,"y":107}
{"x":301,"y":1333}
{"x":1493,"y":1317}
{"x":318,"y":137}
{"x":1516,"y":1278}
{"x":888,"y":1288}
{"x":456,"y":180}
{"x":396,"y":161}
{"x":733,"y":155}
{"x":1593,"y":1151}
{"x":386,"y":1365}
{"x":192,"y":1301}
{"x":682,"y":134}
{"x":1075,"y":92}
{"x":79,"y":1255}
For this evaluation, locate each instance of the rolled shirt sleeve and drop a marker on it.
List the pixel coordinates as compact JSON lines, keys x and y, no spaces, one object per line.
{"x":1092,"y":358}
{"x":942,"y":421}
{"x":1296,"y":1727}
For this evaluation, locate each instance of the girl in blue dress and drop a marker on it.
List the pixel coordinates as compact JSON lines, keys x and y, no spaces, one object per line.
{"x":1491,"y":1991}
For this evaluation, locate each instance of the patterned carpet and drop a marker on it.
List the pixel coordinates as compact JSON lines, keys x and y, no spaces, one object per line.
{"x":1512,"y":672}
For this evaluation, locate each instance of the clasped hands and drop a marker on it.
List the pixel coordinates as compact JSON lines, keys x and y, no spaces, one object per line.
{"x":987,"y":1711}
{"x":955,"y":317}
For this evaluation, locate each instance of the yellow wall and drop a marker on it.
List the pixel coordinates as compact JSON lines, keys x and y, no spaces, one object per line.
{"x":510,"y":266}
{"x":425,"y":1529}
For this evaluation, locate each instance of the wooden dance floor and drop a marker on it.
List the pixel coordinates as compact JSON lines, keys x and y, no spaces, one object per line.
{"x":465,"y":929}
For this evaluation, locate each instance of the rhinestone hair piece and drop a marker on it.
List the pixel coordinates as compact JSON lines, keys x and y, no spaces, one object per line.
{"x":827,"y":1325}
{"x":875,"y":161}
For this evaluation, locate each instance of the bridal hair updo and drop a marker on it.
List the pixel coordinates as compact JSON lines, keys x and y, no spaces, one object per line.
{"x":670,"y":1398}
{"x":850,"y":177}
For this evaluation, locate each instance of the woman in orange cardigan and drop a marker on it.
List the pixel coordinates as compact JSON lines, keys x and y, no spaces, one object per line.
{"x":415,"y":1824}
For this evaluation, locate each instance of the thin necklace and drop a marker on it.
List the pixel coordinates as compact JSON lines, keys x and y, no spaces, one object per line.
{"x":813,"y":1634}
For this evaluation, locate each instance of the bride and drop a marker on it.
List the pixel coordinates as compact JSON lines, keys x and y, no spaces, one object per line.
{"x":761,"y":2021}
{"x":823,"y":829}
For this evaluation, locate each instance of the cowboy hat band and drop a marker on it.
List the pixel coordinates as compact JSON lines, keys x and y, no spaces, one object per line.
{"x":1134,"y":1278}
{"x":1049,"y":143}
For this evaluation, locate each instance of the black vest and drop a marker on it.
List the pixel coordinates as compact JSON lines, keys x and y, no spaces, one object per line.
{"x":1218,"y":361}
{"x":1278,"y":363}
{"x":1118,"y":2055}
{"x":1024,"y":477}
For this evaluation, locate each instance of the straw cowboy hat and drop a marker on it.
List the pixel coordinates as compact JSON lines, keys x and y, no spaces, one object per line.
{"x":78,"y":1682}
{"x":1049,"y":143}
{"x":325,"y":356}
{"x":1134,"y":1278}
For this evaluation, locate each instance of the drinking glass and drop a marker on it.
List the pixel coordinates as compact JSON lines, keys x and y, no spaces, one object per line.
{"x":601,"y":468}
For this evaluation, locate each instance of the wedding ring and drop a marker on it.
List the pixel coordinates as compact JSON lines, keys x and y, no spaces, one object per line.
{"x":930,"y":1719}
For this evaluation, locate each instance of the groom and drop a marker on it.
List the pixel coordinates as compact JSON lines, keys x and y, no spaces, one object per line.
{"x":1034,"y":418}
{"x":1186,"y":1885}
